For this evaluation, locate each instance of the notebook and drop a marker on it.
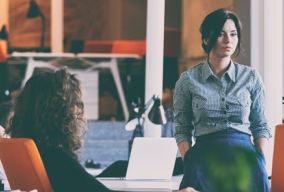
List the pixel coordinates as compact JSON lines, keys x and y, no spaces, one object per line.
{"x":151,"y":159}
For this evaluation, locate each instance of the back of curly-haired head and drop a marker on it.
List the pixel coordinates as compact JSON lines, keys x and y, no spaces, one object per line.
{"x":49,"y":110}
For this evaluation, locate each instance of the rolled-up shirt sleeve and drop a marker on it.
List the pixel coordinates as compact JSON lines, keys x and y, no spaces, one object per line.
{"x":258,"y":120}
{"x":183,"y":110}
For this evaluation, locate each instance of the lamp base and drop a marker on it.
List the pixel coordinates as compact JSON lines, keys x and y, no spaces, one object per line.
{"x":138,"y":132}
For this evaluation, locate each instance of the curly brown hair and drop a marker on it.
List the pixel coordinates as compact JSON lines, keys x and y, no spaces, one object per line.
{"x":6,"y":111}
{"x":50,"y":111}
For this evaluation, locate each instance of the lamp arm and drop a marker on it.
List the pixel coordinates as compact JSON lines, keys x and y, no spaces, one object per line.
{"x":149,"y":102}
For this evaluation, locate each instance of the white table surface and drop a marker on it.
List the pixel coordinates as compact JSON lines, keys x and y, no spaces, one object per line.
{"x":116,"y":184}
{"x":82,"y":55}
{"x":167,"y":185}
{"x":112,"y":65}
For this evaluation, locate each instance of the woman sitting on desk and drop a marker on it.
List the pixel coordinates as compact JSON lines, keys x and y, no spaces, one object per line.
{"x":223,"y":102}
{"x":49,"y":110}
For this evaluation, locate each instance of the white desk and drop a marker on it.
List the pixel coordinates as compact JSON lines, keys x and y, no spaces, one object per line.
{"x":112,"y":65}
{"x":142,"y":186}
{"x":172,"y":185}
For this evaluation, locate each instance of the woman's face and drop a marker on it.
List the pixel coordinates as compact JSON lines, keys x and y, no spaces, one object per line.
{"x":227,"y":41}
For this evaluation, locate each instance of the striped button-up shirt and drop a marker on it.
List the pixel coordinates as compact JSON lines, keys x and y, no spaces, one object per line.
{"x":205,"y":104}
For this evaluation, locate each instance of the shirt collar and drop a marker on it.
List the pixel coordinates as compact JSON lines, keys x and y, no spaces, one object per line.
{"x":232,"y":71}
{"x":207,"y":71}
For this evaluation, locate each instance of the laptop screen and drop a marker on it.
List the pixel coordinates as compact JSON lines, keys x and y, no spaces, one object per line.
{"x":152,"y":158}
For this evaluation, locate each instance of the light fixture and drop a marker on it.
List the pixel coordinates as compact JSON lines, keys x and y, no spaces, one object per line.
{"x":3,"y":33}
{"x":136,"y":121}
{"x":34,"y":12}
{"x":157,"y":112}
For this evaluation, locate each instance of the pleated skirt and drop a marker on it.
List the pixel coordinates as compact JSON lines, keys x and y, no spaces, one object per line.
{"x":225,"y":161}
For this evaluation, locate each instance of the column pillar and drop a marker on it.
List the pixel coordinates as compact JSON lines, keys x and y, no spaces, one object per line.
{"x":57,"y":26}
{"x":266,"y":57}
{"x":154,"y":59}
{"x":4,"y":20}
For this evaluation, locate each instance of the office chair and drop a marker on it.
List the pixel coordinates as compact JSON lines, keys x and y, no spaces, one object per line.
{"x":277,"y":176}
{"x":23,"y":165}
{"x":97,"y":46}
{"x":129,"y":47}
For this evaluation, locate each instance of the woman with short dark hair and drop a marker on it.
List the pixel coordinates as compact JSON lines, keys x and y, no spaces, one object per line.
{"x":222,"y":104}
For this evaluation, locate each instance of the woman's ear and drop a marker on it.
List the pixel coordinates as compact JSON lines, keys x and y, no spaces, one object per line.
{"x":205,"y":41}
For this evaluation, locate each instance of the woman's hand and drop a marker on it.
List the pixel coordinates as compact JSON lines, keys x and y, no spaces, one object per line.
{"x":261,"y":144}
{"x":188,"y":189}
{"x":183,"y":147}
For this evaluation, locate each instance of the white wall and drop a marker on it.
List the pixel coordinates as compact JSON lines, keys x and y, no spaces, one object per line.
{"x":267,"y":57}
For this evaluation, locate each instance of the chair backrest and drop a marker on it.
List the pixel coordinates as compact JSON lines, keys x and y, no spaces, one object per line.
{"x":277,"y":176}
{"x":129,"y":47}
{"x":23,"y":165}
{"x":97,"y":46}
{"x":115,"y":46}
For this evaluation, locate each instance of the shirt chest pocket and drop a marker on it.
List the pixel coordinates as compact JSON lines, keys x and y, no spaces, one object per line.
{"x":198,"y":104}
{"x":199,"y":108}
{"x":239,"y":107}
{"x":244,"y":99}
{"x":204,"y":110}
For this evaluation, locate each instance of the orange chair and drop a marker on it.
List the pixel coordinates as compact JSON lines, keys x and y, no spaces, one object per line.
{"x":129,"y":47}
{"x":277,"y":182}
{"x":23,"y":165}
{"x":172,"y":42}
{"x":3,"y":52}
{"x":97,"y":46}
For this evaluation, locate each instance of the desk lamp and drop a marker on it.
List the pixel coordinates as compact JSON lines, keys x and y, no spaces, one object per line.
{"x":3,"y":33}
{"x":136,"y":121}
{"x":34,"y":12}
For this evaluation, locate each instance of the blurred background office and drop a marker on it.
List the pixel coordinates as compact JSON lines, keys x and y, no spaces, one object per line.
{"x":116,"y":20}
{"x":126,"y":20}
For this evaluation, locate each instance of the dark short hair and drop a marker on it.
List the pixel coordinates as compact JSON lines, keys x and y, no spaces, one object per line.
{"x":212,"y":26}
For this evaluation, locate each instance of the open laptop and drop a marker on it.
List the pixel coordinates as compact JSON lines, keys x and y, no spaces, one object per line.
{"x":151,"y":159}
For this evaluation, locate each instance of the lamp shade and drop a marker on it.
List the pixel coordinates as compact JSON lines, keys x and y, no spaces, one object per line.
{"x":157,"y":113}
{"x":3,"y":33}
{"x":33,"y":10}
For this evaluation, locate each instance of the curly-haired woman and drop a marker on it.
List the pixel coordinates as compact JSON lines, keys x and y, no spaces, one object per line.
{"x":50,"y":111}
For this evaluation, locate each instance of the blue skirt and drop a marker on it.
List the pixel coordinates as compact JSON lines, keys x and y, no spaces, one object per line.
{"x":225,"y":161}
